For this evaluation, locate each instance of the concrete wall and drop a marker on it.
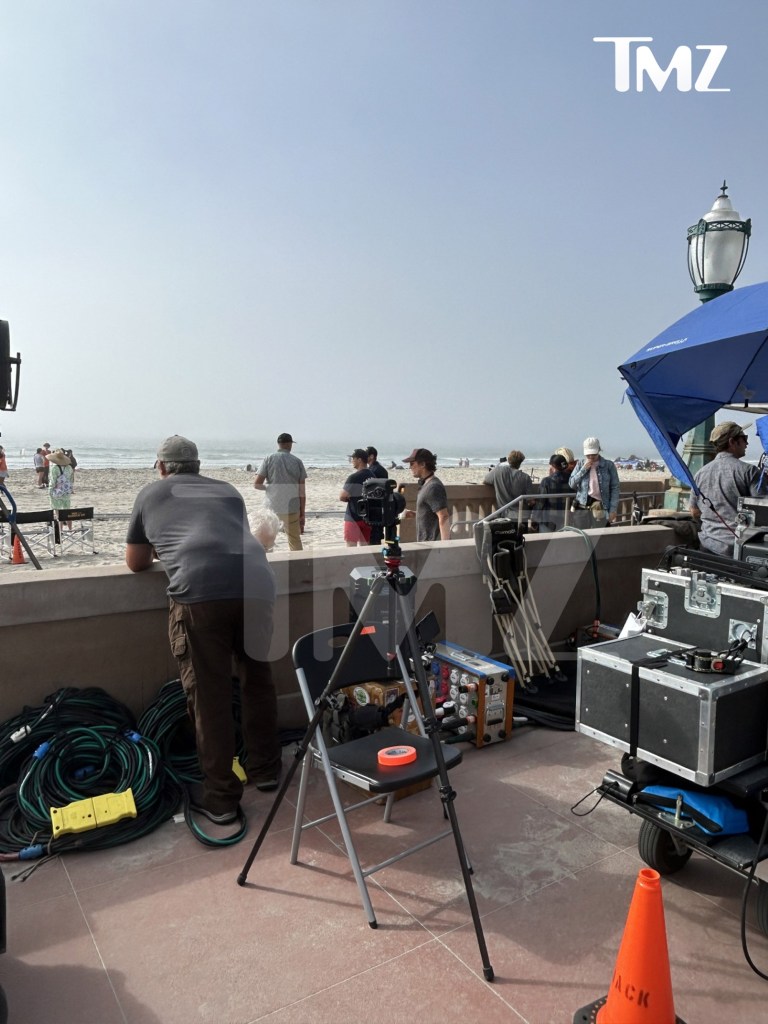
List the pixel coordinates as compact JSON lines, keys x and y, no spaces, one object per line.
{"x":107,"y":626}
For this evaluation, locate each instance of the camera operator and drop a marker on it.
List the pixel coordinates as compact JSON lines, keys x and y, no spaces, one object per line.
{"x":357,"y":533}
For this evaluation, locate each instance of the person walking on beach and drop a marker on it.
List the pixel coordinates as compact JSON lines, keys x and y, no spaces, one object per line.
{"x":3,"y":467}
{"x":46,"y":463}
{"x":282,"y":477}
{"x":39,"y":463}
{"x":222,"y":595}
{"x":596,"y":482}
{"x":508,"y":480}
{"x":357,"y":533}
{"x":432,"y":519}
{"x":722,"y":482}
{"x":378,"y":471}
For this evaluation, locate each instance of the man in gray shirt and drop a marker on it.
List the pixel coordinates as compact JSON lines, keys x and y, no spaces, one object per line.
{"x":722,"y":482}
{"x":432,"y":518}
{"x":222,"y":594}
{"x":282,"y":475}
{"x":508,"y":480}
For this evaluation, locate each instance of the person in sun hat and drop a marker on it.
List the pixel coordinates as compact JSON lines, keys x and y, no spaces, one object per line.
{"x":722,"y":482}
{"x":281,"y":476}
{"x":596,"y":482}
{"x":60,"y":481}
{"x":222,"y":595}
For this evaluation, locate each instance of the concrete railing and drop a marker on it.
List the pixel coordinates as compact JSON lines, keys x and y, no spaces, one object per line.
{"x":108,"y":627}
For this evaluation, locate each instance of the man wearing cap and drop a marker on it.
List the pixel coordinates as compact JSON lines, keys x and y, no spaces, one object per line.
{"x":432,"y":519}
{"x":357,"y":533}
{"x":508,"y":480}
{"x":282,"y":475}
{"x":596,"y":482}
{"x":222,"y":593}
{"x":722,"y":482}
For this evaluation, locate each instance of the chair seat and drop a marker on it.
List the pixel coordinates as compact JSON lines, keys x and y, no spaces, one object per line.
{"x":357,"y":760}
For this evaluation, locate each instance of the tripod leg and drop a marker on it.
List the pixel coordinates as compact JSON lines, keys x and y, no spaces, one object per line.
{"x":447,"y":793}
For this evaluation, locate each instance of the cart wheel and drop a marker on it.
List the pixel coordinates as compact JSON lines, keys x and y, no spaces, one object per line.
{"x":761,"y":907}
{"x":660,"y":852}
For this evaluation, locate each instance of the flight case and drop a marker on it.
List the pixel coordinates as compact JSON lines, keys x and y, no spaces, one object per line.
{"x":702,"y":726}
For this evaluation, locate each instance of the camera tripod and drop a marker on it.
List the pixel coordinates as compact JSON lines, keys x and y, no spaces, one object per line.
{"x":398,"y":609}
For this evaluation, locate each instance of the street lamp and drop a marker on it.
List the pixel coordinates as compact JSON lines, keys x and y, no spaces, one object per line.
{"x":717,"y":250}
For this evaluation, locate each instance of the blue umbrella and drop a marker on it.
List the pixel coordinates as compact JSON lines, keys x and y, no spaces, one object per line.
{"x":714,"y":356}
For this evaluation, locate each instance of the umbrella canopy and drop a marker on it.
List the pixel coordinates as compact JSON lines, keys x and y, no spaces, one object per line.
{"x":715,"y":356}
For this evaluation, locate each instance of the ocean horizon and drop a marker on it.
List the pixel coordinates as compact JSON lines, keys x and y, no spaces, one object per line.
{"x":139,"y":453}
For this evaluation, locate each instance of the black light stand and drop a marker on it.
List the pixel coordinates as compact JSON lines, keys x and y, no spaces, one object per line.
{"x":398,"y":607}
{"x":10,"y":518}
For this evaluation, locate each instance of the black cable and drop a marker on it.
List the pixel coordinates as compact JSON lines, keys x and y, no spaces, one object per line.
{"x":750,"y":878}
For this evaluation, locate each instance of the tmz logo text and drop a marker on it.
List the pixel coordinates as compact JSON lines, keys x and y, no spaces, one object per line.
{"x":684,"y":63}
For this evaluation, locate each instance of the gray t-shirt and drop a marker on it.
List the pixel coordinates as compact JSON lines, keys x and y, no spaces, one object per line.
{"x":283,"y":472}
{"x":199,"y":529}
{"x":431,"y":498}
{"x":508,"y":483}
{"x":723,"y":481}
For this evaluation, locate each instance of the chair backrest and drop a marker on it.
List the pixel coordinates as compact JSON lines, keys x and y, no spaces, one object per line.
{"x":318,"y":653}
{"x":72,"y":515}
{"x":44,"y":516}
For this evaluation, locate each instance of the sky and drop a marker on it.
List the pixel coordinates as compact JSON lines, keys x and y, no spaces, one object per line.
{"x":436,"y":222}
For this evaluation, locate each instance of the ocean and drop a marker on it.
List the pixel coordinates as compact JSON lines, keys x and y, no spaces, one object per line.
{"x":133,"y":453}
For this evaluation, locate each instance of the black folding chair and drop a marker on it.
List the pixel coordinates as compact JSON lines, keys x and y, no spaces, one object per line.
{"x":38,"y":530}
{"x":315,"y":656}
{"x":74,"y":529}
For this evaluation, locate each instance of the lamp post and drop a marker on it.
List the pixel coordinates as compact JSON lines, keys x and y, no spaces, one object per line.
{"x":717,"y":249}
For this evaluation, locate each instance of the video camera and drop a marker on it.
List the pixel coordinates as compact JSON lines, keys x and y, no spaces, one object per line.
{"x":380,"y":504}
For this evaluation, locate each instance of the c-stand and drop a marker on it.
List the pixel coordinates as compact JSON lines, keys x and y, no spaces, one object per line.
{"x":10,"y":518}
{"x":398,"y":612}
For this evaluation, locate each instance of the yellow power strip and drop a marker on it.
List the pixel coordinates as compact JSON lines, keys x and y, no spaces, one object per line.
{"x":82,"y":815}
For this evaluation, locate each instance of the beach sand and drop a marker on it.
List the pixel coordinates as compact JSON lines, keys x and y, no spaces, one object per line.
{"x":111,"y":493}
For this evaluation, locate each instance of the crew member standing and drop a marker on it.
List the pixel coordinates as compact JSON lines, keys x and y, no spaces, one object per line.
{"x":282,"y":477}
{"x":596,"y":482}
{"x":432,"y":518}
{"x":722,"y":482}
{"x":222,"y":593}
{"x":378,"y":471}
{"x":357,"y":533}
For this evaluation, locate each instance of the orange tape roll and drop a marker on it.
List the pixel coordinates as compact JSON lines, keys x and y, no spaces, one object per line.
{"x":397,"y":755}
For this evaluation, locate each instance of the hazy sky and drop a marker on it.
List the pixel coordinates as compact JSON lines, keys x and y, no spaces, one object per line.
{"x":234,"y":217}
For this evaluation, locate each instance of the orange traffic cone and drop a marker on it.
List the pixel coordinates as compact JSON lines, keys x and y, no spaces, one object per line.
{"x":641,"y":989}
{"x":17,"y":557}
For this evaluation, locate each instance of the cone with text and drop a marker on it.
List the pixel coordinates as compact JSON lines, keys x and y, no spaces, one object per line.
{"x":641,"y":987}
{"x":17,"y":557}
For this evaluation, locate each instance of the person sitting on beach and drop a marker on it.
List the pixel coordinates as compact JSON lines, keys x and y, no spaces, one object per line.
{"x":357,"y":533}
{"x":222,"y":595}
{"x":39,"y":463}
{"x":549,"y":513}
{"x":282,"y":475}
{"x":508,"y":480}
{"x":60,"y":482}
{"x":432,"y":518}
{"x":596,"y":481}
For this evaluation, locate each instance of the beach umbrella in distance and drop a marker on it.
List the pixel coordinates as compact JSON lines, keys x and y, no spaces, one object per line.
{"x":715,"y":356}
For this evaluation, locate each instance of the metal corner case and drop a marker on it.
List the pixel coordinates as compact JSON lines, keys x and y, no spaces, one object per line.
{"x":701,"y":726}
{"x":696,"y":609}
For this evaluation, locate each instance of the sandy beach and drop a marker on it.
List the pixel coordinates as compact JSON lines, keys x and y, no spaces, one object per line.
{"x":111,"y":493}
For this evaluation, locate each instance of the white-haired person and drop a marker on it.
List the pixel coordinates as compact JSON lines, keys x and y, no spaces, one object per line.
{"x":265,"y":527}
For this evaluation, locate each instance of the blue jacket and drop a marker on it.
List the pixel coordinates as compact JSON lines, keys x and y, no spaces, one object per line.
{"x":607,"y":479}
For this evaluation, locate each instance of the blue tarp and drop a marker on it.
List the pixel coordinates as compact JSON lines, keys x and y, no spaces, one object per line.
{"x":714,"y":356}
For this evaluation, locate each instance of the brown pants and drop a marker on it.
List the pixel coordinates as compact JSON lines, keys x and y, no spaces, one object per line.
{"x":205,"y":638}
{"x":292,"y":529}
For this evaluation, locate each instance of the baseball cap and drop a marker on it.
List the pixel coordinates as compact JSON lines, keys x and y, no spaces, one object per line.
{"x":591,"y":445}
{"x":558,"y":461}
{"x":726,"y":430}
{"x":284,"y":439}
{"x":359,"y":453}
{"x":421,"y":455}
{"x":177,"y":449}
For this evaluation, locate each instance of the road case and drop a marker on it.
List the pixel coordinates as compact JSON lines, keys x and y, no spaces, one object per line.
{"x":701,"y":726}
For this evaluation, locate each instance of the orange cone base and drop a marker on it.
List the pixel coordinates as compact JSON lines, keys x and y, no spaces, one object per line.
{"x":588,"y":1014}
{"x":17,"y":557}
